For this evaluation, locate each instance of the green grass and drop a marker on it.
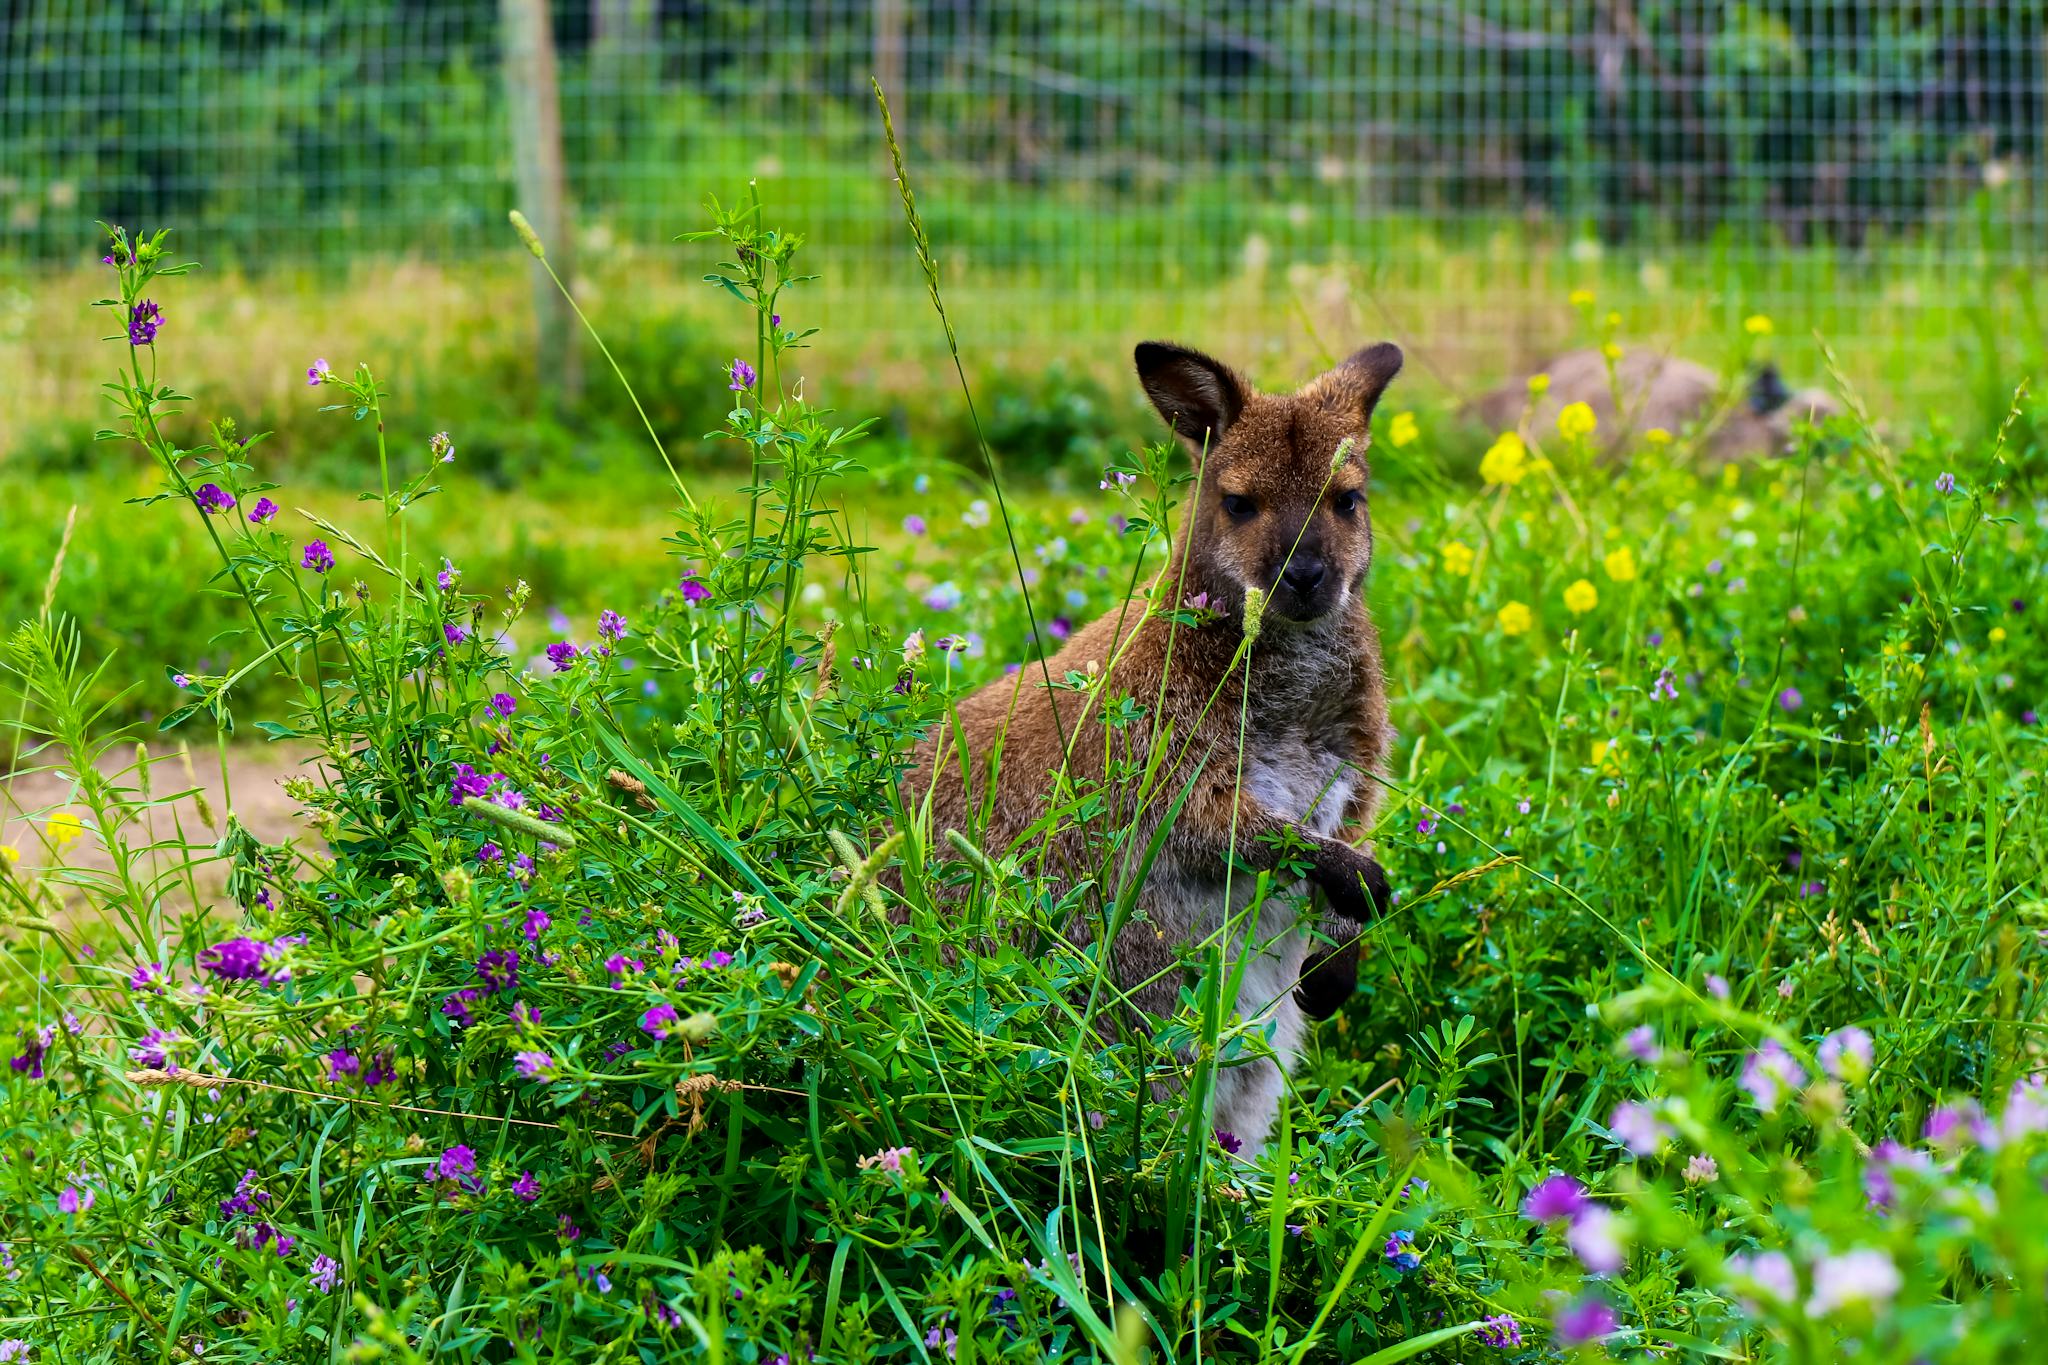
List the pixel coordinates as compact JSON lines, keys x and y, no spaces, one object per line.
{"x":1777,"y":781}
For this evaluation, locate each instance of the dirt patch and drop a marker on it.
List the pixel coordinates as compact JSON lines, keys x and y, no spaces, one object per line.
{"x":183,"y":813}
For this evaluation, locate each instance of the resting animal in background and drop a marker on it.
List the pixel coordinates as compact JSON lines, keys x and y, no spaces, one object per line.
{"x":1664,"y":391}
{"x":1277,"y":511}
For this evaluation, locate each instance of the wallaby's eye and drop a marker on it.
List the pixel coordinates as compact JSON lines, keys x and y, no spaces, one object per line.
{"x":1345,"y":503}
{"x":1240,"y":507}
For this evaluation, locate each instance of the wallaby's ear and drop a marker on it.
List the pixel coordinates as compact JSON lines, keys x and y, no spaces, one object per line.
{"x":1199,"y":397}
{"x":1767,"y":391}
{"x":1356,"y":385}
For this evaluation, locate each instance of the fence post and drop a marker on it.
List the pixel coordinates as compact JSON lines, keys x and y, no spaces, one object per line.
{"x":533,"y":109}
{"x":889,"y":20}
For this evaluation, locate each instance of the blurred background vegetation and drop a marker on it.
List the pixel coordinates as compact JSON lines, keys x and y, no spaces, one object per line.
{"x":1276,"y":181}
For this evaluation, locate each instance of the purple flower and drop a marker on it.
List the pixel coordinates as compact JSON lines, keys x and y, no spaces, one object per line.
{"x":535,"y":1065}
{"x":1640,"y":1043}
{"x":1426,"y":826}
{"x":147,"y":976}
{"x":741,"y":374}
{"x":526,"y":1189}
{"x":1501,"y":1332}
{"x":562,"y":655}
{"x":1846,"y":1054}
{"x":379,"y":1072}
{"x":1663,"y":689}
{"x":323,"y":1273}
{"x":1952,"y":1125}
{"x":1229,"y":1141}
{"x":1059,"y":628}
{"x":456,"y":1005}
{"x":692,"y":590}
{"x":1885,"y":1161}
{"x":1554,"y":1200}
{"x":263,"y":512}
{"x":74,"y":1200}
{"x":211,"y":497}
{"x":248,"y":1196}
{"x":1769,"y":1073}
{"x":238,"y":959}
{"x":35,"y":1045}
{"x":498,"y":969}
{"x":143,"y":321}
{"x":502,"y":703}
{"x":317,"y":557}
{"x":1701,"y":1169}
{"x":1583,"y":1321}
{"x":914,"y":524}
{"x":343,"y":1065}
{"x":449,"y":575}
{"x":456,"y":1163}
{"x":154,"y":1050}
{"x":611,"y":625}
{"x":1789,"y":700}
{"x":1945,"y":482}
{"x":1399,"y":1252}
{"x":317,"y":373}
{"x":1717,"y":986}
{"x":659,"y":1020}
{"x":453,"y":632}
{"x":468,"y":782}
{"x":537,"y":922}
{"x":488,"y":852}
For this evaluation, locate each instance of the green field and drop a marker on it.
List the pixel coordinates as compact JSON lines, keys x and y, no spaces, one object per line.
{"x":1706,"y":1025}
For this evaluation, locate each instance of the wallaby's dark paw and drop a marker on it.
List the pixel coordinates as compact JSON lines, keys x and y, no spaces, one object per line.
{"x":1355,"y":885}
{"x":1328,"y":980}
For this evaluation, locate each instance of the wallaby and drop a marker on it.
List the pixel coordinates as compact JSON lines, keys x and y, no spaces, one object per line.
{"x":1668,"y":392}
{"x":1278,"y":516}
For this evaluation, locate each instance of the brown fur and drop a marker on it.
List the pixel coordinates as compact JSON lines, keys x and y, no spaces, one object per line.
{"x":1661,"y":391}
{"x":1316,"y":731}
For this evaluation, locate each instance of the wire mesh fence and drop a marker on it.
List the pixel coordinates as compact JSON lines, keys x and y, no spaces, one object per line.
{"x":1072,"y":149}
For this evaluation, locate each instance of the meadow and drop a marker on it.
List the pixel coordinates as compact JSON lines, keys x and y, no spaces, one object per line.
{"x":607,"y":1001}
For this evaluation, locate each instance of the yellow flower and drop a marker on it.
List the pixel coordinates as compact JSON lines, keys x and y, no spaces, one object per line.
{"x":1607,"y":755}
{"x":1539,"y":384}
{"x":1731,"y":475}
{"x":1515,"y":618}
{"x":1621,"y":565}
{"x":9,"y":854}
{"x":1614,"y":319}
{"x":1657,"y":436}
{"x":1402,"y":430}
{"x":1457,"y":558}
{"x":1998,"y":635}
{"x":1581,"y":597}
{"x":1612,"y":350}
{"x":1576,"y":421}
{"x":1582,"y":298}
{"x":65,"y":828}
{"x":1757,"y":325}
{"x":1506,"y":460}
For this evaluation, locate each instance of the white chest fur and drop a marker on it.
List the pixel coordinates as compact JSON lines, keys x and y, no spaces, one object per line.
{"x":1300,"y":783}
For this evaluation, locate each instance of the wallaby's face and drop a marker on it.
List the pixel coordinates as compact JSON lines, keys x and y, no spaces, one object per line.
{"x":1277,"y":509}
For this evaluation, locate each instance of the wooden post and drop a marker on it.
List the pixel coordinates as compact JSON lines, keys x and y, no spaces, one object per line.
{"x":889,"y":22}
{"x":533,"y":109}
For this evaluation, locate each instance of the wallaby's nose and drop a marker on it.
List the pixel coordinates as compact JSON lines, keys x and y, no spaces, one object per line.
{"x":1304,"y":571}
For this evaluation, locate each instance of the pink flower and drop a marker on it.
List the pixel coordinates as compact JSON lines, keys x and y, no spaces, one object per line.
{"x":1638,"y":1127}
{"x":1595,"y":1238}
{"x":1582,"y":1322}
{"x":1846,"y":1054}
{"x":1769,"y":1074}
{"x":1854,"y":1279}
